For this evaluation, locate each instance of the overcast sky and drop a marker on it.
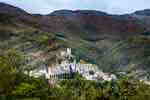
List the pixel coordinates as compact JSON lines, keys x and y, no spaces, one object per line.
{"x":109,"y":6}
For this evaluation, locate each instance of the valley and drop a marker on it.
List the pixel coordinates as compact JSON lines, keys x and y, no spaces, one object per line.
{"x":87,"y":51}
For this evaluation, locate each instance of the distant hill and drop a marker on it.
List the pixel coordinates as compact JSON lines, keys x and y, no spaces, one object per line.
{"x":145,"y":12}
{"x":77,"y":12}
{"x":5,"y":8}
{"x":87,"y":24}
{"x":92,"y":25}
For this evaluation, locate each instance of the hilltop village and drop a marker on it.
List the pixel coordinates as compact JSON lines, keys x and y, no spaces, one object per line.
{"x":64,"y":63}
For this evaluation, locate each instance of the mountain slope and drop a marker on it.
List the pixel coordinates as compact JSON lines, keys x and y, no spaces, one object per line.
{"x":85,"y":24}
{"x":144,"y":17}
{"x":92,"y":25}
{"x":5,"y":8}
{"x":110,"y":41}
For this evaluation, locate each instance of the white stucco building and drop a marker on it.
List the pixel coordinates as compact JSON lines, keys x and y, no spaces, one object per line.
{"x":68,"y":65}
{"x":88,"y":71}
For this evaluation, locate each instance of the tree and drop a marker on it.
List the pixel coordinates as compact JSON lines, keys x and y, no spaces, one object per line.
{"x":10,"y":67}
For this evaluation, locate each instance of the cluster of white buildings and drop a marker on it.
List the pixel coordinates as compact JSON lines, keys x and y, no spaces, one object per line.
{"x":69,"y":65}
{"x":65,"y":63}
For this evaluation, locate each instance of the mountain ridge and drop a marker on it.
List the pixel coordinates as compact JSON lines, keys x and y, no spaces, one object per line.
{"x":88,"y":24}
{"x":10,"y":9}
{"x":140,"y":12}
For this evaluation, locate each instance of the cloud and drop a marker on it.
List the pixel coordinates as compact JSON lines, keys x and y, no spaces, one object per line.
{"x":110,"y":6}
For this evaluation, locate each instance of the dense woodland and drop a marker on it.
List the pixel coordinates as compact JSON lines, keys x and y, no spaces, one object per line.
{"x":15,"y":85}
